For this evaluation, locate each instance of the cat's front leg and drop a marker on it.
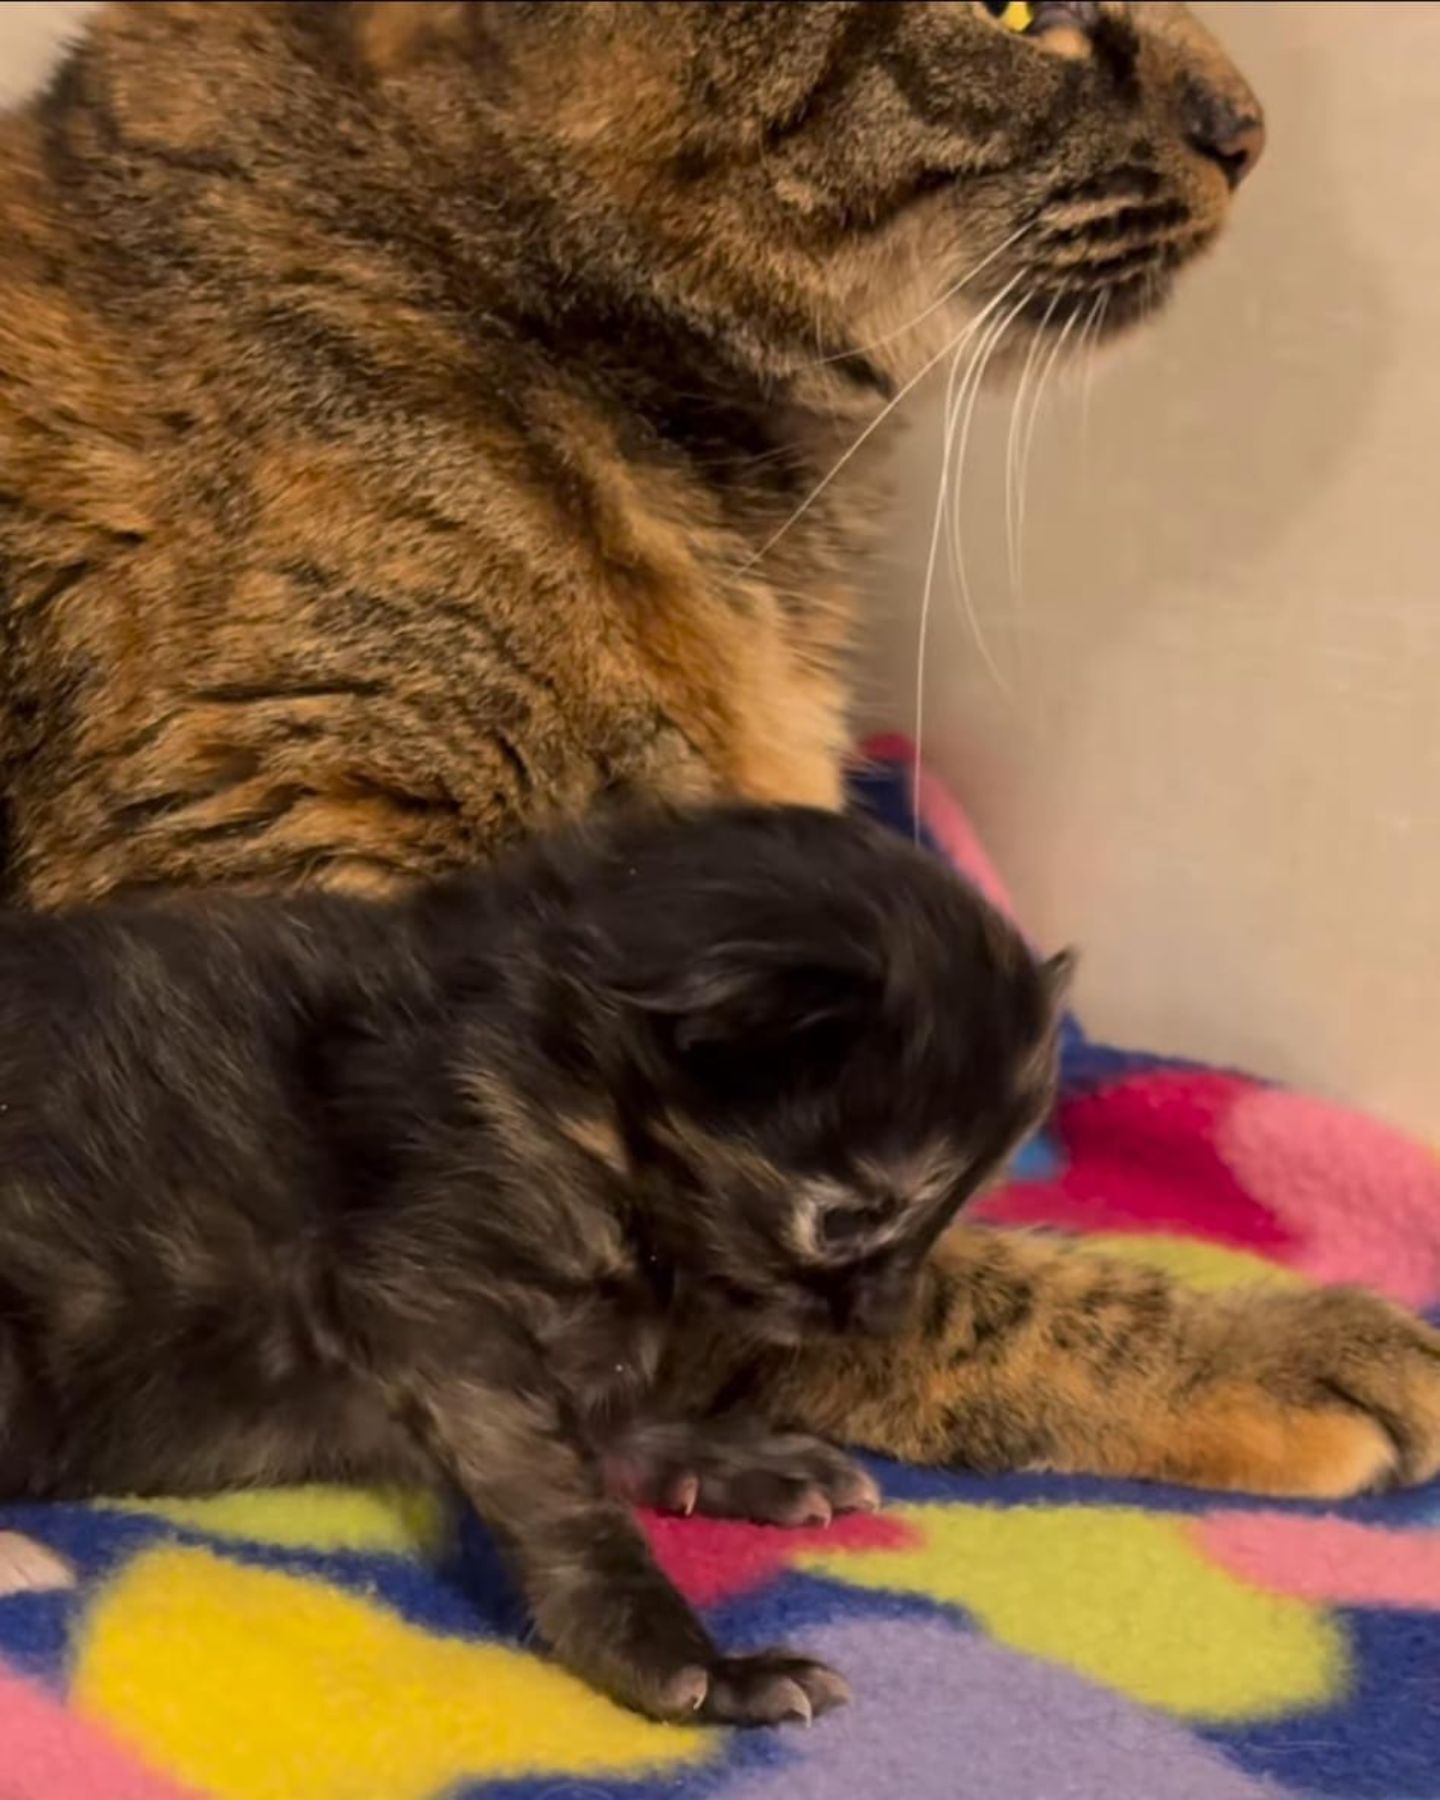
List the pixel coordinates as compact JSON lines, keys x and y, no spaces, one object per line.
{"x":599,"y":1600}
{"x":737,"y":1467}
{"x":1023,"y":1352}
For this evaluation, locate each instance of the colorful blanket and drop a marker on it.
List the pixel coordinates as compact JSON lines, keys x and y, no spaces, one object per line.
{"x":1018,"y":1639}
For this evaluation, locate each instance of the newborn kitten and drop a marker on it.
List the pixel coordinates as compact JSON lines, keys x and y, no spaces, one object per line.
{"x":320,"y":1189}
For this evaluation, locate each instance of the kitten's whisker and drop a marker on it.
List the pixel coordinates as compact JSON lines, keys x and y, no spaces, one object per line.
{"x":935,"y":305}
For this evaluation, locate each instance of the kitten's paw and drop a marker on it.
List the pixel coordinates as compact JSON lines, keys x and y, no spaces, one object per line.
{"x":29,"y":1567}
{"x":1320,"y":1394}
{"x":772,"y":1688}
{"x":772,"y":1478}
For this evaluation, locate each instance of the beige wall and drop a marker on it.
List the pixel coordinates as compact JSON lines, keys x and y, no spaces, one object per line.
{"x":29,"y":30}
{"x":1214,"y":762}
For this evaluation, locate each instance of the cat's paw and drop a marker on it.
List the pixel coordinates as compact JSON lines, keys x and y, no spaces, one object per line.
{"x":729,"y":1472}
{"x":770,"y":1688}
{"x":1318,"y":1393}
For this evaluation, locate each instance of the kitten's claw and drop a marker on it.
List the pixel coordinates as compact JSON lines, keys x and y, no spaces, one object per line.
{"x":30,"y":1567}
{"x":684,"y":1694}
{"x":813,"y":1508}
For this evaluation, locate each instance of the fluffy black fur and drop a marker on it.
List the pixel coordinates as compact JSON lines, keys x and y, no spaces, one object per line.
{"x":320,"y":1188}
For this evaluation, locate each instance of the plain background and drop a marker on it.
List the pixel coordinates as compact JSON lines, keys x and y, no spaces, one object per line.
{"x":1208,"y":749}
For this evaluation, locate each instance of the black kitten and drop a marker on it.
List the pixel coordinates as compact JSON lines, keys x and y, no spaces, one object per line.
{"x":325,"y":1189}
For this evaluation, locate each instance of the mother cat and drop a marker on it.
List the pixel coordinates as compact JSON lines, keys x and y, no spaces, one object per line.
{"x":414,"y":428}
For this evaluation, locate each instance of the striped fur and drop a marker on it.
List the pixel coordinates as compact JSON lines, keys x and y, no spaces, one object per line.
{"x":401,"y":402}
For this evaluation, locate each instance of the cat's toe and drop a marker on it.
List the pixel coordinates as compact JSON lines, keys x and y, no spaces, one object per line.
{"x":1321,"y":1393}
{"x":772,"y":1688}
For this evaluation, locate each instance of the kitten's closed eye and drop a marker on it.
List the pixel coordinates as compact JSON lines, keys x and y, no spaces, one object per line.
{"x":841,"y":1226}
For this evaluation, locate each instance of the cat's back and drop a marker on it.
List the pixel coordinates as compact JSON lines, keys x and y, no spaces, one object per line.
{"x":197,"y":286}
{"x":314,"y":566}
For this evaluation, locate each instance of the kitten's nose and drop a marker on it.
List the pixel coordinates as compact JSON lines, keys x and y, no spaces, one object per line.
{"x":874,"y":1312}
{"x":1227,"y":129}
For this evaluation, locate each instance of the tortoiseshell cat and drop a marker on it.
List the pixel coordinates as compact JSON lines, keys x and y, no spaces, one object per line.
{"x":318,"y":1187}
{"x":417,"y":425}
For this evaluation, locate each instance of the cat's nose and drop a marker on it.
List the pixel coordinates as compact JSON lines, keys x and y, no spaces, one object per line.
{"x":1229,"y":130}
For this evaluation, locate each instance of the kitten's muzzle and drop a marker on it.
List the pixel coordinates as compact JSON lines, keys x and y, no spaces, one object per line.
{"x":876,"y":1308}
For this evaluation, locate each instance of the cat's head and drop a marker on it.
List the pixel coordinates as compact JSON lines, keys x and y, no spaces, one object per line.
{"x":826,"y":171}
{"x":817,"y":1044}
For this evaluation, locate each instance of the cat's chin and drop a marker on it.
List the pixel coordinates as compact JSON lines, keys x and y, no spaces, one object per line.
{"x":1049,"y":330}
{"x":1098,"y":314}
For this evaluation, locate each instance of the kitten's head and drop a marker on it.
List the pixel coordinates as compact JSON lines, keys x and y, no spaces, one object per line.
{"x":819,"y":1044}
{"x":822,"y":172}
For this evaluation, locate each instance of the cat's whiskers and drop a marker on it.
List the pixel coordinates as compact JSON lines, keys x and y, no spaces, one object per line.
{"x":859,"y":442}
{"x":951,"y":421}
{"x":1057,"y":350}
{"x":856,"y":446}
{"x":1016,"y":460}
{"x":909,"y":386}
{"x":967,"y":400}
{"x":962,"y":390}
{"x":1014,"y":492}
{"x":935,"y":305}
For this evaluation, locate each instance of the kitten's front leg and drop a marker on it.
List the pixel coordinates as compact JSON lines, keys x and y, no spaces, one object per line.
{"x":737,"y":1468}
{"x":597,"y":1596}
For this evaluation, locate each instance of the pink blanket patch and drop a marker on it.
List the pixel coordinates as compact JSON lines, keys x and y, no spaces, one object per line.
{"x":944,"y":820}
{"x":711,"y":1560}
{"x":1363,"y":1200}
{"x":1141,"y":1157}
{"x":49,"y":1754}
{"x":1335,"y":1561}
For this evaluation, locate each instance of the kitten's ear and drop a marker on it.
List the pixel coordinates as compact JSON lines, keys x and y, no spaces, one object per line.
{"x":1058,"y":974}
{"x":752,"y":997}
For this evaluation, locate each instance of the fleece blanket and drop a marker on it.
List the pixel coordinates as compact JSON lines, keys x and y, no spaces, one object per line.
{"x":1018,"y":1639}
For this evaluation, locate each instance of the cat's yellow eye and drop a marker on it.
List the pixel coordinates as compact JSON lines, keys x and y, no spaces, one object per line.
{"x":1014,"y":15}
